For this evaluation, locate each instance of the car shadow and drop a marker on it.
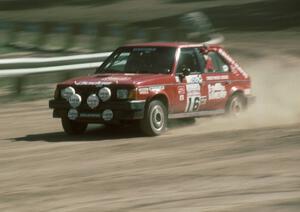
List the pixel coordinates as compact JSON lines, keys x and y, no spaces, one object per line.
{"x":96,"y":133}
{"x":92,"y":134}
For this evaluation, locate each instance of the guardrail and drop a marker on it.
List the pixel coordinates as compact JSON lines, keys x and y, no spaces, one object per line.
{"x":16,"y":67}
{"x":15,"y":61}
{"x":51,"y":64}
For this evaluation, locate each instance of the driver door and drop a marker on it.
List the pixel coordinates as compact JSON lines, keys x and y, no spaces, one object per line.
{"x":188,"y":74}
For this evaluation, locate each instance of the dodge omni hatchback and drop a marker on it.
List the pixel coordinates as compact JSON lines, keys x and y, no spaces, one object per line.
{"x":148,"y":84}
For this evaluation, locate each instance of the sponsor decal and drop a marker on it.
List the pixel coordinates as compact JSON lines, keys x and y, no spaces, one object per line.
{"x":203,"y":100}
{"x":193,"y":97}
{"x":181,"y":97}
{"x":156,"y":89}
{"x":116,"y":79}
{"x":143,"y":91}
{"x":216,"y":91}
{"x":193,"y":92}
{"x":218,"y":77}
{"x":146,"y":49}
{"x":234,"y":64}
{"x":193,"y":89}
{"x":181,"y":90}
{"x":194,"y":79}
{"x":97,"y":84}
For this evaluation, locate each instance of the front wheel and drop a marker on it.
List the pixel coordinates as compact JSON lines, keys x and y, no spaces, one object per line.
{"x":155,"y":119}
{"x":73,"y":127}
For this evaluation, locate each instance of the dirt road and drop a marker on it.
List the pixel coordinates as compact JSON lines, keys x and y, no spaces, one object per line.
{"x":245,"y":164}
{"x":235,"y":170}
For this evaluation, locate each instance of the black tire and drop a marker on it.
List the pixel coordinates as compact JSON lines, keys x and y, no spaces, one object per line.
{"x":155,"y":119}
{"x":72,"y":127}
{"x":236,"y":105}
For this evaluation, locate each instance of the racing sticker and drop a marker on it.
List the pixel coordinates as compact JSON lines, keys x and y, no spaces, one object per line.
{"x":193,"y":92}
{"x":234,"y":64}
{"x":194,"y":79}
{"x":217,"y":77}
{"x":156,"y":89}
{"x":143,"y":91}
{"x":216,"y":91}
{"x":181,"y":98}
{"x":97,"y":83}
{"x":203,"y":100}
{"x":181,"y":90}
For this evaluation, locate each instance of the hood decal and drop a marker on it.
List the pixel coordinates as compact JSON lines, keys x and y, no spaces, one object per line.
{"x":97,"y":84}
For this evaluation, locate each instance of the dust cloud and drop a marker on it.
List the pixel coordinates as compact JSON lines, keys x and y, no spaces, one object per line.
{"x":275,"y":83}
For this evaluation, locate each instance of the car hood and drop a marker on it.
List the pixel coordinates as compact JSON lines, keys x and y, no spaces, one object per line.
{"x":121,"y":79}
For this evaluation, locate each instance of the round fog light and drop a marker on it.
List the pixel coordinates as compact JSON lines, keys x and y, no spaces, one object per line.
{"x":104,"y":94}
{"x":93,"y":101}
{"x":73,"y":114}
{"x":67,"y":92}
{"x":75,"y":100}
{"x":107,"y":115}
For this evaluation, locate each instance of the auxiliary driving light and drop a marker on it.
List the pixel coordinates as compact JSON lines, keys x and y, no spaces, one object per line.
{"x":75,"y":100}
{"x":107,"y":115}
{"x":66,"y":93}
{"x":93,"y":101}
{"x":73,"y":114}
{"x":104,"y":94}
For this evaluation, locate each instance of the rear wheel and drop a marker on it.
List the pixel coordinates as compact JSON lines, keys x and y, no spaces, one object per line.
{"x":236,"y":105}
{"x":72,"y":127}
{"x":155,"y":119}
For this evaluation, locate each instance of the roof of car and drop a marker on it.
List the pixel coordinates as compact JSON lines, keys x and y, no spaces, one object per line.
{"x":168,"y":44}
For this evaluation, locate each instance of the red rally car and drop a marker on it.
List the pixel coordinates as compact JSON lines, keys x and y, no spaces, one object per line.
{"x":150,"y":83}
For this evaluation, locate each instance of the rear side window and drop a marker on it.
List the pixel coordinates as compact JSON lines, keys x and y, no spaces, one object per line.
{"x":218,"y":63}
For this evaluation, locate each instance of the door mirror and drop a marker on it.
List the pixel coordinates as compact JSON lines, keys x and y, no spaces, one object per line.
{"x":186,"y":71}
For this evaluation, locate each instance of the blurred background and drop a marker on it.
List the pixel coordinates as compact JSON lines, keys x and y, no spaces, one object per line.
{"x":56,"y":28}
{"x":243,"y":164}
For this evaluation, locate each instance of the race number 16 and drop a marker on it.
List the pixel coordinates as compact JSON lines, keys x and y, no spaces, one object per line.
{"x":193,"y":104}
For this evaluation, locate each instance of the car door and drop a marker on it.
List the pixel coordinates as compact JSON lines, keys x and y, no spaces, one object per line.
{"x":188,"y":86}
{"x":216,"y":81}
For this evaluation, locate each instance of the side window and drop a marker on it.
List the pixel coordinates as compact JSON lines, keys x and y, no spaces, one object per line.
{"x":214,"y":63}
{"x":201,"y":60}
{"x":188,"y":59}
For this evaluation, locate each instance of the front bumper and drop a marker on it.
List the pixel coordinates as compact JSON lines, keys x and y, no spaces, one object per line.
{"x":122,"y":110}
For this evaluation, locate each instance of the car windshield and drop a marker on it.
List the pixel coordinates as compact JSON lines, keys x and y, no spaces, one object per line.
{"x":139,"y":60}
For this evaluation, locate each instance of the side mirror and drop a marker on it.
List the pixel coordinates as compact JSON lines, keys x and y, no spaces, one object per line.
{"x":186,"y":71}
